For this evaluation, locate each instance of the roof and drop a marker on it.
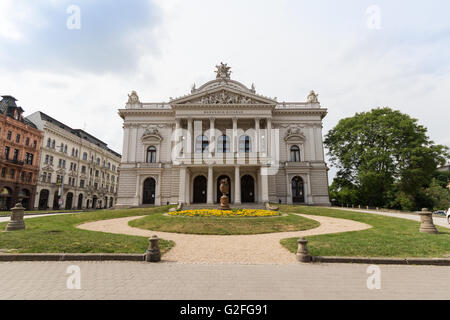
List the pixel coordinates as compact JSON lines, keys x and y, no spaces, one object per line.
{"x":7,"y":107}
{"x":78,"y":132}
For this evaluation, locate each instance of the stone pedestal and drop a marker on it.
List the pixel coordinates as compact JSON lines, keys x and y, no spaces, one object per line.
{"x":224,"y":199}
{"x":303,"y":253}
{"x":16,"y":222}
{"x":224,"y":203}
{"x":153,"y":253}
{"x":426,"y":222}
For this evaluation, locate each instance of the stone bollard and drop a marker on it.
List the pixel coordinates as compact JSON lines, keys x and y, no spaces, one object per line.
{"x":16,"y":222}
{"x":426,"y":222}
{"x":302,"y":252}
{"x":153,"y":254}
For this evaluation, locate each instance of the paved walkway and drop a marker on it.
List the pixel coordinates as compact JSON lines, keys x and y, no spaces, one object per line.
{"x":439,"y":221}
{"x":140,"y":280}
{"x":260,"y":248}
{"x":6,"y":219}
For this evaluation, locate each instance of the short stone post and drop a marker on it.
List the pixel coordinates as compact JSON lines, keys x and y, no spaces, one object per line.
{"x":16,"y":222}
{"x":302,"y":252}
{"x":426,"y":222}
{"x":153,"y":254}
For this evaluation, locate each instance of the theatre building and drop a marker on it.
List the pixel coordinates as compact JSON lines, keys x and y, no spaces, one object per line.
{"x":20,"y":143}
{"x":179,"y":151}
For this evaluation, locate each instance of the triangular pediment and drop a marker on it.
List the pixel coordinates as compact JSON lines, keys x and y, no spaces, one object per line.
{"x":223,"y":95}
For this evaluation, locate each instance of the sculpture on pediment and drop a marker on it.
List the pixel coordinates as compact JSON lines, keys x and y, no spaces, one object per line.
{"x":223,"y":71}
{"x":253,"y":89}
{"x":133,"y":98}
{"x":313,"y":97}
{"x":193,"y":88}
{"x":225,"y":98}
{"x":151,"y":131}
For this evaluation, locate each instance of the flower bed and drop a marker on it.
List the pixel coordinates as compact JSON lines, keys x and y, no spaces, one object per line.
{"x":225,"y":213}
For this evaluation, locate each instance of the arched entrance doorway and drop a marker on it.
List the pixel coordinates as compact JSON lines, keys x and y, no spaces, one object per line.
{"x":80,"y":201}
{"x":24,"y":194}
{"x":200,"y":187}
{"x":69,"y":200}
{"x":298,"y":192}
{"x":43,"y":199}
{"x":106,"y":203}
{"x":111,"y":202}
{"x":219,"y":194}
{"x":247,"y":189}
{"x":94,"y":202}
{"x":5,"y":199}
{"x":87,"y":204}
{"x":149,"y":191}
{"x":55,"y":201}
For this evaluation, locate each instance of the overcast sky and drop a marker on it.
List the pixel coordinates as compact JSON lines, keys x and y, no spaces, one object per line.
{"x":355,"y":55}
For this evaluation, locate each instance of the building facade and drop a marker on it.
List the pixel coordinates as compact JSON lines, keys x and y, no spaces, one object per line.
{"x":20,"y":143}
{"x":177,"y":152}
{"x":77,"y":170}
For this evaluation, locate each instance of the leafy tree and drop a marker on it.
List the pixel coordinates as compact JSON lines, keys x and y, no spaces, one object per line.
{"x":438,"y":196}
{"x":386,"y":156}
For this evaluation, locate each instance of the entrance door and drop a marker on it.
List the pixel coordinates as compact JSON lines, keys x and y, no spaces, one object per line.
{"x":298,"y":194}
{"x":69,"y":199}
{"x":247,"y":189}
{"x":80,"y":202}
{"x":149,"y":191}
{"x":43,"y":199}
{"x":200,"y":188}
{"x":56,"y":201}
{"x":219,"y":194}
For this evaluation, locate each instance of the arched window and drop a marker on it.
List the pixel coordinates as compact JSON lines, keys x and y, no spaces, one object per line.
{"x":295,"y":154}
{"x":245,"y":144}
{"x":151,"y":154}
{"x":201,"y":144}
{"x":223,"y":144}
{"x":84,"y":156}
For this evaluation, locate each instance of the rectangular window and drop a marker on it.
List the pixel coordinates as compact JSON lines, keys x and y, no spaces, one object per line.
{"x":51,"y":160}
{"x":49,"y":142}
{"x":49,"y":177}
{"x":3,"y":172}
{"x":27,"y":141}
{"x":81,"y":183}
{"x":35,"y":144}
{"x":9,"y":135}
{"x":18,"y":138}
{"x":12,"y":173}
{"x":7,"y":149}
{"x":16,"y":155}
{"x":83,"y":169}
{"x":47,"y":157}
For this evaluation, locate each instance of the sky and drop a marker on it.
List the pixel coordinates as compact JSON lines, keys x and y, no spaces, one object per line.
{"x":77,"y":60}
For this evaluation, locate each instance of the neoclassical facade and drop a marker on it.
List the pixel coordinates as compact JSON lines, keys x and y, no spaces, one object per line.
{"x":76,"y":170}
{"x":177,"y":152}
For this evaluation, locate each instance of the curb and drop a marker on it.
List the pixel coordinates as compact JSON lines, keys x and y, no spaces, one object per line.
{"x":43,"y":213}
{"x":71,"y":257}
{"x":391,"y":261}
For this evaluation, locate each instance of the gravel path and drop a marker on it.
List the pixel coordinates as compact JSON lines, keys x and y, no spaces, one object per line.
{"x":254,"y":249}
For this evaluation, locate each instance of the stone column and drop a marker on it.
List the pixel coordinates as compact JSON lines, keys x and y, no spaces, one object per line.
{"x":312,"y":144}
{"x":212,"y":136}
{"x":235,"y":137}
{"x":182,"y":191}
{"x":178,"y":133}
{"x":237,"y":185}
{"x":189,"y":137}
{"x":264,"y":184}
{"x":257,"y":135}
{"x":210,"y":185}
{"x":269,"y":137}
{"x":309,"y":188}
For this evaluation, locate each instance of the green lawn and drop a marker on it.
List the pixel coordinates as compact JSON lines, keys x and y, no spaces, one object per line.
{"x":389,"y":237}
{"x":224,"y":225}
{"x":58,"y":234}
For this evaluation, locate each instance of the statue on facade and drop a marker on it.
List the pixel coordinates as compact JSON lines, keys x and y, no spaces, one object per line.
{"x":253,"y":89}
{"x":224,"y":199}
{"x":133,"y":98}
{"x":223,"y":71}
{"x":313,"y":97}
{"x":193,"y":88}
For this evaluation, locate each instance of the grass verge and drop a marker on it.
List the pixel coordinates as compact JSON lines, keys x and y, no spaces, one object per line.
{"x":389,"y":237}
{"x":224,"y":225}
{"x":58,"y":234}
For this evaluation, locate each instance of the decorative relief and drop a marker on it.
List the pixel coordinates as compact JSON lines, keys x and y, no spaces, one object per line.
{"x":152,"y":133}
{"x":313,"y":97}
{"x":294,"y":132}
{"x":223,"y":97}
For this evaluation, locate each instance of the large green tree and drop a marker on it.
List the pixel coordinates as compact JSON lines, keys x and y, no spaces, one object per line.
{"x":384,"y":156}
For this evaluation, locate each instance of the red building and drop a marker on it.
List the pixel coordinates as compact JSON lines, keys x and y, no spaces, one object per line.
{"x":20,"y":143}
